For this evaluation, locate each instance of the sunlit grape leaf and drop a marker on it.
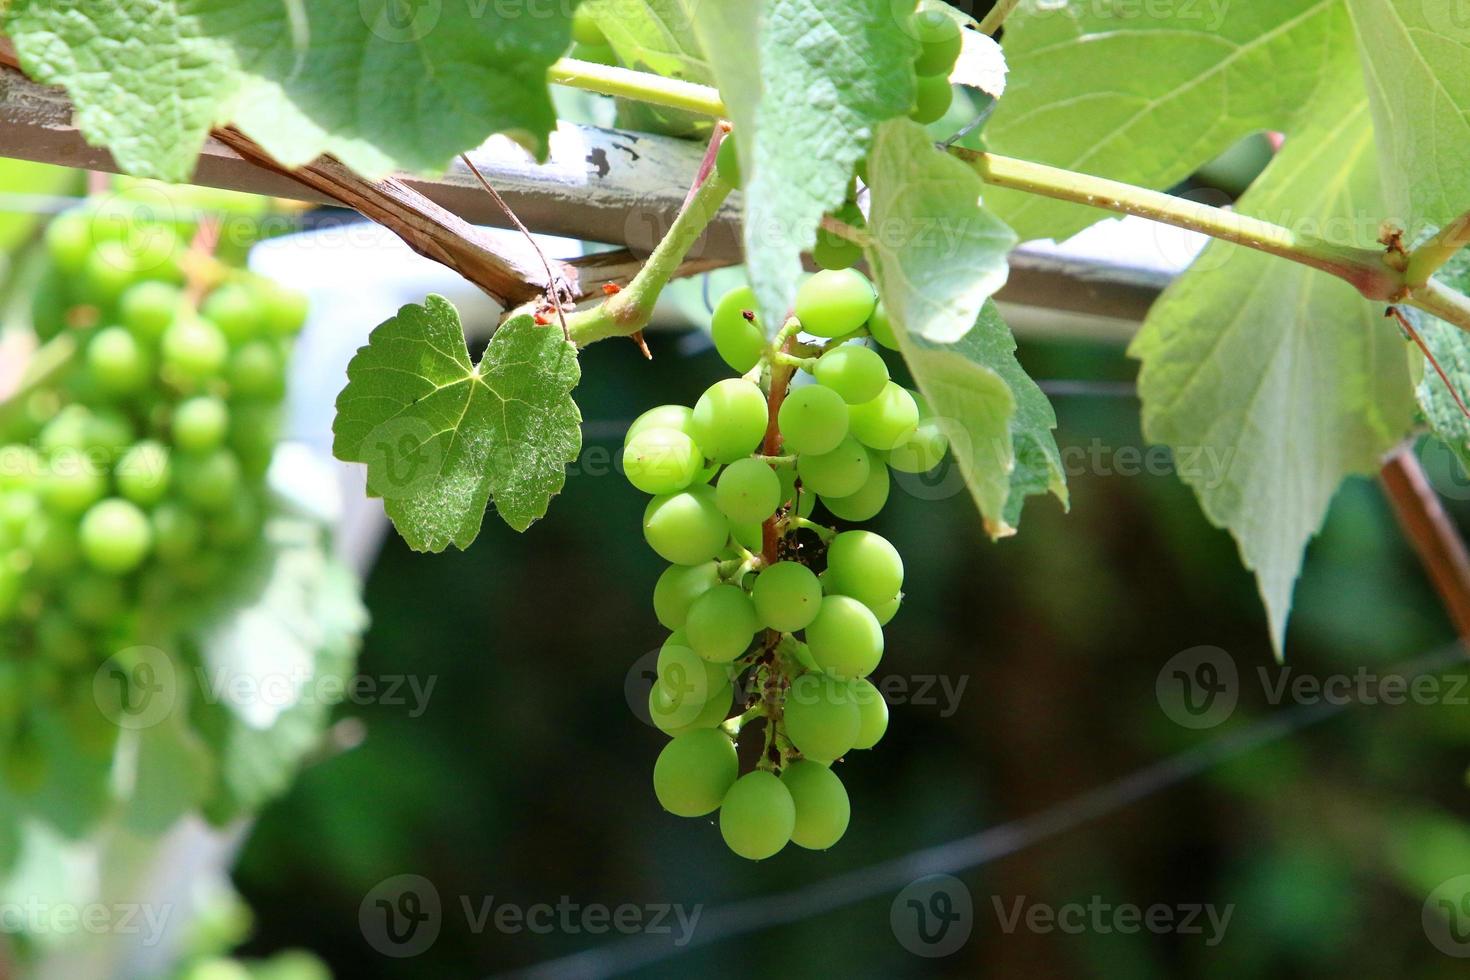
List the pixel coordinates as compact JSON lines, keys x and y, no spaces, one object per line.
{"x":937,"y":256}
{"x":1148,"y":93}
{"x":441,"y":436}
{"x":934,"y":241}
{"x":167,"y":771}
{"x":652,"y":35}
{"x":1270,"y":381}
{"x":1414,"y":55}
{"x":276,"y":652}
{"x":829,"y":72}
{"x":377,"y":83}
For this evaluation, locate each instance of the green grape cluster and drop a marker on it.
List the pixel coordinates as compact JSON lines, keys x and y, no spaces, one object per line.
{"x":773,"y":617}
{"x":133,"y":476}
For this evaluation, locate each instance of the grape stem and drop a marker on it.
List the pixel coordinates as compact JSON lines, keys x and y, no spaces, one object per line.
{"x":992,"y":21}
{"x":821,"y":530}
{"x":776,"y":461}
{"x":807,"y":364}
{"x":1372,"y":272}
{"x":629,"y":311}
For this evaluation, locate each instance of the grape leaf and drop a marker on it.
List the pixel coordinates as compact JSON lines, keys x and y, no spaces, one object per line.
{"x":374,"y":83}
{"x":1272,"y":382}
{"x":441,"y":436}
{"x":1451,"y":348}
{"x":652,"y":35}
{"x":169,"y":772}
{"x":1146,"y":97}
{"x":1414,"y":58}
{"x":276,"y":652}
{"x":937,"y":246}
{"x":937,"y":256}
{"x":829,"y":72}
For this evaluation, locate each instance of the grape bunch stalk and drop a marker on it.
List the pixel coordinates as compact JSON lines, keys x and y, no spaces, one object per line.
{"x":132,"y":477}
{"x":761,"y":598}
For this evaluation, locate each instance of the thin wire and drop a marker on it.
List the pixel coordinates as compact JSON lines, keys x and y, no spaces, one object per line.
{"x":1089,"y":389}
{"x":552,"y":290}
{"x":967,"y":853}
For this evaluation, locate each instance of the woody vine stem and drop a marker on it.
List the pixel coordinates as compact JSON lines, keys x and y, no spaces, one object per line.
{"x":1385,"y":275}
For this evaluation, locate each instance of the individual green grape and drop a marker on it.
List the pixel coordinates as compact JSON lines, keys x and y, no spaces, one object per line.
{"x":235,"y":310}
{"x":663,"y":417}
{"x":868,"y":502}
{"x":757,"y":816}
{"x":118,"y":364}
{"x":833,"y":252}
{"x":888,"y":610}
{"x":256,"y":370}
{"x":738,"y":337}
{"x":155,"y":251}
{"x":108,"y":272}
{"x":750,"y":536}
{"x":283,"y":310}
{"x":822,"y":806}
{"x":148,"y":309}
{"x":20,"y":468}
{"x":678,"y":587}
{"x":729,"y":420}
{"x":661,"y":461}
{"x":52,"y":542}
{"x":208,"y":483}
{"x":886,"y":421}
{"x":674,"y":714}
{"x":865,"y":566}
{"x":686,"y":528}
{"x":748,"y":491}
{"x":685,"y":674}
{"x":872,"y":714}
{"x":177,"y":532}
{"x":727,"y":162}
{"x":721,"y":624}
{"x":194,"y":349}
{"x":840,"y":473}
{"x":932,"y":98}
{"x":200,"y":424}
{"x":115,"y":536}
{"x":254,"y":428}
{"x":820,"y":717}
{"x":598,"y":54}
{"x":787,"y":596}
{"x":107,"y":433}
{"x":238,"y":523}
{"x":880,"y":328}
{"x":72,"y":484}
{"x":940,"y":39}
{"x":835,"y":302}
{"x":855,"y":372}
{"x":585,"y":29}
{"x":69,"y":242}
{"x":845,"y":639}
{"x":925,"y":448}
{"x":95,"y":598}
{"x":143,"y":473}
{"x":694,"y":772}
{"x":67,"y":431}
{"x":812,"y":420}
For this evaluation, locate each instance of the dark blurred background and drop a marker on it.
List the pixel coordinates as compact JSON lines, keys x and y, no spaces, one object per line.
{"x":528,"y":778}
